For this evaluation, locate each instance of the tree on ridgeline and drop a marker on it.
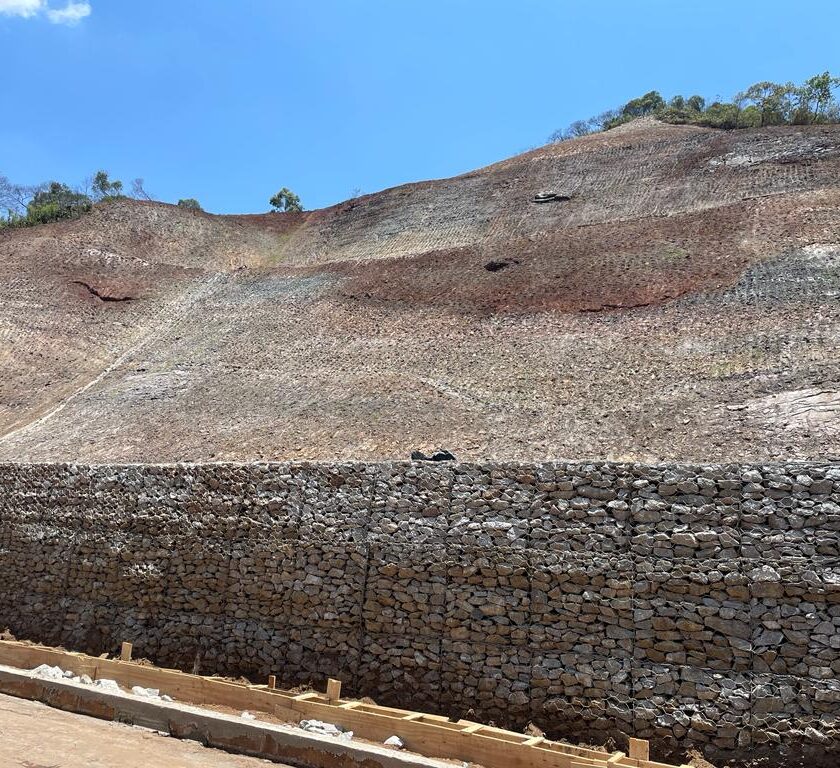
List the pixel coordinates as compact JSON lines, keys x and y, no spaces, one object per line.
{"x":14,"y":197}
{"x":285,"y":201}
{"x":26,"y":206}
{"x":815,"y":99}
{"x":762,"y":104}
{"x":104,"y":188}
{"x":138,"y":190}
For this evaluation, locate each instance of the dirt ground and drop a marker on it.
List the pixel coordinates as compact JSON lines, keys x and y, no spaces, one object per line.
{"x":33,"y":735}
{"x":680,"y":302}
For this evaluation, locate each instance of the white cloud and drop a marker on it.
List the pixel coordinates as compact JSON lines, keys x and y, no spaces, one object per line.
{"x":25,"y":8}
{"x":71,"y":14}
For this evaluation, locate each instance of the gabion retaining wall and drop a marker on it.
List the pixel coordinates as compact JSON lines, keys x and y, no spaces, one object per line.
{"x":694,"y":606}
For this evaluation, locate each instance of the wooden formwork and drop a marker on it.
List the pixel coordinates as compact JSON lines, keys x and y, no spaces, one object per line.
{"x":429,"y":735}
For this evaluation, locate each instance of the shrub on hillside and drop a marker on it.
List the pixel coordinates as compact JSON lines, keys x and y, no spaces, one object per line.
{"x":190,"y":203}
{"x":51,"y":203}
{"x":29,"y":206}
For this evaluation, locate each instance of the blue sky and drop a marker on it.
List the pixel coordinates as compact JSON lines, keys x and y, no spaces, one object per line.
{"x":229,"y":101}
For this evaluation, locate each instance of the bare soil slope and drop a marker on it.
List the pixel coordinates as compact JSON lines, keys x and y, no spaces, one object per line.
{"x":682,"y":303}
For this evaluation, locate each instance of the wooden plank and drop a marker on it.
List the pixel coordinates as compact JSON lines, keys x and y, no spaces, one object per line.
{"x":125,"y":652}
{"x":432,"y":735}
{"x":438,"y":740}
{"x":571,"y":749}
{"x":272,"y":682}
{"x":333,"y":689}
{"x":639,"y":749}
{"x":180,"y":685}
{"x":264,"y":740}
{"x":583,"y":762}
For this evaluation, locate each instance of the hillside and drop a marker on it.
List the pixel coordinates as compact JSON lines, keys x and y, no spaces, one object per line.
{"x":682,"y":303}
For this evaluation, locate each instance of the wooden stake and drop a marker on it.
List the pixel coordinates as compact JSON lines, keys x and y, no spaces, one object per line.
{"x":125,"y":652}
{"x":272,"y":682}
{"x":333,"y":689}
{"x":640,"y":749}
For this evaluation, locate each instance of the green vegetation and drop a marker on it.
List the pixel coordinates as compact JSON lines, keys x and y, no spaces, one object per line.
{"x":764,"y":103}
{"x":27,"y":206}
{"x":285,"y":200}
{"x":105,"y":189}
{"x":55,"y":202}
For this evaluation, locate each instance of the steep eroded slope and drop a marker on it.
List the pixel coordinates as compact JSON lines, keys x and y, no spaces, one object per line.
{"x":681,"y":303}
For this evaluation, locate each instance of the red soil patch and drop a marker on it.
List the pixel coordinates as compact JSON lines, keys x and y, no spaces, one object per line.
{"x":617,"y":265}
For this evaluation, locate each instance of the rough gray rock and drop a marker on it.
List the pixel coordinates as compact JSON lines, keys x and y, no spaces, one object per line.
{"x":695,"y":606}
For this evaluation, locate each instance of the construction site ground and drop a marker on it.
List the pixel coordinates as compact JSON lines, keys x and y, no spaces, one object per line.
{"x":33,"y":735}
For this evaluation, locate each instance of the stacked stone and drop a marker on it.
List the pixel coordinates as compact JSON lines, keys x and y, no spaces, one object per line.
{"x":791,"y":556}
{"x":35,"y":548}
{"x":406,"y":601}
{"x":297,"y":562}
{"x":692,"y":649}
{"x":581,"y":630}
{"x":692,"y":705}
{"x":486,"y":658}
{"x":185,"y":528}
{"x":689,"y":605}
